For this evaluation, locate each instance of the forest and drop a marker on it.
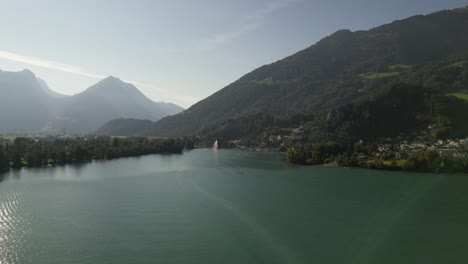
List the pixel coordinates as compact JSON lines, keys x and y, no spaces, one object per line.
{"x":50,"y":151}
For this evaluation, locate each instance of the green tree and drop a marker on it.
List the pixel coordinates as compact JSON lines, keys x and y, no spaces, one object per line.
{"x":16,"y":159}
{"x":3,"y":159}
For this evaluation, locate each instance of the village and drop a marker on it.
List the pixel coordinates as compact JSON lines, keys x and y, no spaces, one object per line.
{"x":457,"y":148}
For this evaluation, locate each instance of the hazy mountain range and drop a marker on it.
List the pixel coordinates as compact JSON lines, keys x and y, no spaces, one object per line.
{"x":28,"y":105}
{"x":429,"y":51}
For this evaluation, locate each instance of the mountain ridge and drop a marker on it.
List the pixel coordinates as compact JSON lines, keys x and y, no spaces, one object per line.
{"x":326,"y":74}
{"x":23,"y":104}
{"x":29,"y":105}
{"x":335,"y":71}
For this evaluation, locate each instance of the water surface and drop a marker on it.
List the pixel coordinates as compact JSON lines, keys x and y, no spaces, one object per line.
{"x":229,"y":206}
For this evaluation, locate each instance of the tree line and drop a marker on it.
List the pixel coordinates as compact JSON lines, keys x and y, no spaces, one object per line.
{"x":363,"y":155}
{"x":29,"y":152}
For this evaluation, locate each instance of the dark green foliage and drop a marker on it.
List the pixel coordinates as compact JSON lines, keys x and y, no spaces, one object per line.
{"x":298,"y":155}
{"x":15,"y":158}
{"x":52,"y":151}
{"x":393,"y":109}
{"x":189,"y":143}
{"x":430,"y":161}
{"x":364,"y":155}
{"x":255,"y":130}
{"x":445,"y":76}
{"x":79,"y":154}
{"x":423,"y":161}
{"x":4,"y":164}
{"x":389,"y":111}
{"x":318,"y":154}
{"x":35,"y":156}
{"x":454,"y":164}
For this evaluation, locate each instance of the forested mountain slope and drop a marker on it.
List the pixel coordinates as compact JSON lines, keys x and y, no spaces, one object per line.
{"x":337,"y":70}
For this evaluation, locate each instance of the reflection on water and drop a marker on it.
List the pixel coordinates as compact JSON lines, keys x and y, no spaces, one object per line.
{"x":87,"y":171}
{"x":143,"y":165}
{"x":10,"y":174}
{"x":3,"y":175}
{"x":14,"y":227}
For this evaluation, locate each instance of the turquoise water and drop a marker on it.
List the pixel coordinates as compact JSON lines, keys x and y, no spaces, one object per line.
{"x":229,"y":206}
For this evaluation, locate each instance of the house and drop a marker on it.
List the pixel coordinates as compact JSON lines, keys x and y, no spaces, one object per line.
{"x":454,"y":144}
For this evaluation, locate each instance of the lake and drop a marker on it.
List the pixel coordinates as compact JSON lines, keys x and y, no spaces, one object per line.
{"x":229,"y":206}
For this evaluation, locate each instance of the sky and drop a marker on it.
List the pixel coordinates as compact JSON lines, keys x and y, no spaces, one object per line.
{"x":176,"y":51}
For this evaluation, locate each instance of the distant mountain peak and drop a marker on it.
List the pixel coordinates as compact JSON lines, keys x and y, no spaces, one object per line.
{"x":27,"y":103}
{"x":28,"y":72}
{"x":114,"y":83}
{"x":112,"y":78}
{"x":24,"y":73}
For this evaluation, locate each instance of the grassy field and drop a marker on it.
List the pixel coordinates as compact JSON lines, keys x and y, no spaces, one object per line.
{"x":378,"y":75}
{"x":462,"y":95}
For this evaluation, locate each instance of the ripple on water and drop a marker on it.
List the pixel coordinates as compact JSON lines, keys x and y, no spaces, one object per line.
{"x":14,"y":227}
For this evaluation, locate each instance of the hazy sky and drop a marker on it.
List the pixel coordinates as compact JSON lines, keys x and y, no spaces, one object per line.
{"x":176,"y":51}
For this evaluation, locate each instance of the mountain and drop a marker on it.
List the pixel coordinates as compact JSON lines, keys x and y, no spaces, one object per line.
{"x":388,"y":112}
{"x":335,"y":71}
{"x":24,"y":105}
{"x":124,"y":127}
{"x":48,"y":91}
{"x":396,"y":109}
{"x":108,"y":99}
{"x":28,"y":105}
{"x":443,"y":82}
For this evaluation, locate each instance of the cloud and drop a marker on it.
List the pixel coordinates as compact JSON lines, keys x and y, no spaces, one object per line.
{"x":247,"y":24}
{"x":48,"y":64}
